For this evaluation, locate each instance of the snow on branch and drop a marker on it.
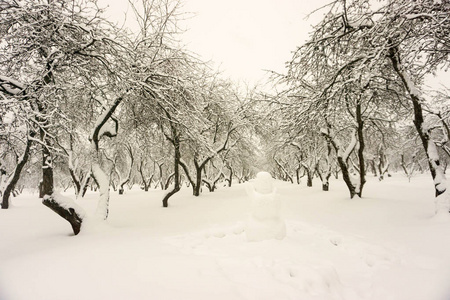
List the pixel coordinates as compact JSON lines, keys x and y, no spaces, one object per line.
{"x":101,"y":128}
{"x":67,"y":209}
{"x":350,"y":147}
{"x":10,"y":86}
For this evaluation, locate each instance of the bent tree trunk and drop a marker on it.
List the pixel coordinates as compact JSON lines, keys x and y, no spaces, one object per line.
{"x":346,"y":177}
{"x":437,"y":173}
{"x":67,"y":209}
{"x":342,"y":158}
{"x":98,"y":174}
{"x":176,"y":171}
{"x":14,"y":178}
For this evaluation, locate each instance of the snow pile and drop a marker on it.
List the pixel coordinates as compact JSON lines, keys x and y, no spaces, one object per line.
{"x":265,"y":221}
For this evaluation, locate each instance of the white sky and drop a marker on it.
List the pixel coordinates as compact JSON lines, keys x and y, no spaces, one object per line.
{"x":246,"y":37}
{"x":243,"y":37}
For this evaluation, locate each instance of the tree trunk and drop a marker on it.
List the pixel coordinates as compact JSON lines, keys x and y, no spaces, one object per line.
{"x":14,"y":178}
{"x":297,"y":174}
{"x":74,"y":217}
{"x":442,"y":204}
{"x":46,"y":187}
{"x":362,"y":165}
{"x":161,"y":183}
{"x":177,"y":158}
{"x":198,"y":181}
{"x":76,"y":181}
{"x":168,"y":181}
{"x":346,"y":177}
{"x":374,"y":169}
{"x":102,"y":181}
{"x":342,"y":162}
{"x":85,"y":184}
{"x":309,"y":175}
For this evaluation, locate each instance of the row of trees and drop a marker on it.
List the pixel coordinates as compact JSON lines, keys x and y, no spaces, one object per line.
{"x":95,"y":99}
{"x":351,"y":90}
{"x":105,"y":105}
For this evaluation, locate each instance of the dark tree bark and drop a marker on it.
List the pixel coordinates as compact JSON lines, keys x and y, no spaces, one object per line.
{"x":145,"y":182}
{"x":297,"y":174}
{"x":212,"y":184}
{"x":124,"y":181}
{"x":76,"y":181}
{"x":176,"y":172}
{"x":424,"y":134}
{"x":361,"y":143}
{"x":200,"y":165}
{"x":46,"y":186}
{"x":169,"y":180}
{"x":99,"y":176}
{"x":198,"y":178}
{"x":14,"y":178}
{"x":342,"y":161}
{"x":309,"y":176}
{"x":69,"y":214}
{"x":85,"y":184}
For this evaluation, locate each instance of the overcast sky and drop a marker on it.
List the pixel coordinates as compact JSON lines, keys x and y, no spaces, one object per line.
{"x":243,"y":37}
{"x":246,"y":37}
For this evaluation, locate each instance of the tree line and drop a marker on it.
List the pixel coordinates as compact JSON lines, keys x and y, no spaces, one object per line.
{"x":88,"y":104}
{"x":352,"y":92}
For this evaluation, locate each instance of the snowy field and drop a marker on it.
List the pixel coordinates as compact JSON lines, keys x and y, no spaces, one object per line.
{"x":385,"y":246}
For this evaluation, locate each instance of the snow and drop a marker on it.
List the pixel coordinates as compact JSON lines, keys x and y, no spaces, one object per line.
{"x":421,"y":15}
{"x":8,"y":80}
{"x":411,"y":85}
{"x":350,"y":146}
{"x":107,"y":128}
{"x":386,"y":245}
{"x":442,"y":202}
{"x":67,"y":203}
{"x":265,"y":220}
{"x":9,"y":117}
{"x":103,"y":185}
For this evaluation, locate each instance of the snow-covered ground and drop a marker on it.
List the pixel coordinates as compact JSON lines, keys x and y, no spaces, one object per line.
{"x":387,"y":245}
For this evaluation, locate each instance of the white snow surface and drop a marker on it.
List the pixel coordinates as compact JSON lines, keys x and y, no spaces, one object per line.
{"x":265,"y":221}
{"x":8,"y":117}
{"x":387,"y":245}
